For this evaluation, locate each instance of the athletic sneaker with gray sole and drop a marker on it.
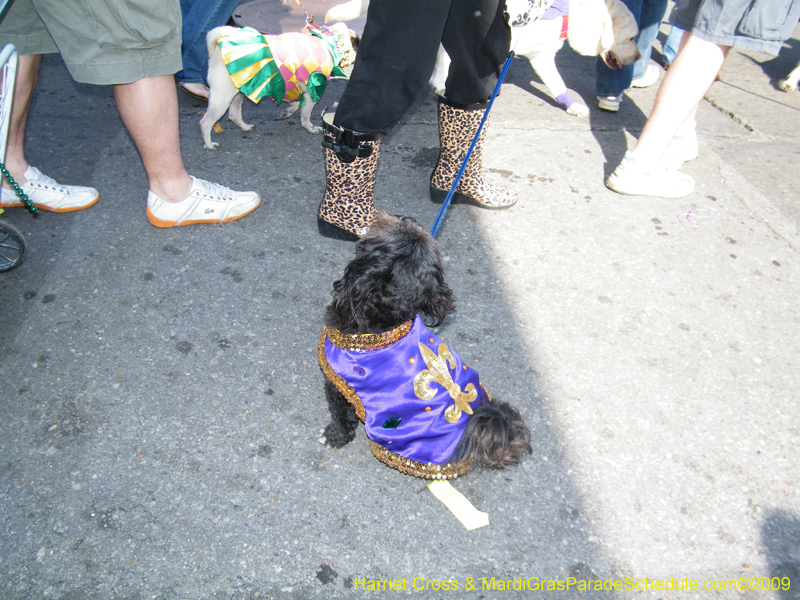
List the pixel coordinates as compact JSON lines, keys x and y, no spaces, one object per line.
{"x":609,"y":103}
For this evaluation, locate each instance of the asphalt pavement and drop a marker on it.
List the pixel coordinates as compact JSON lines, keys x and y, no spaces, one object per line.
{"x":162,"y":404}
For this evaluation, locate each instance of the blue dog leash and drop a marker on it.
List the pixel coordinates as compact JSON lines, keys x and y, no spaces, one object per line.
{"x":449,"y":197}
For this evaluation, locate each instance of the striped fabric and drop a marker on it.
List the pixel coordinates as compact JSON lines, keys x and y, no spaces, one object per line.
{"x":272,"y":65}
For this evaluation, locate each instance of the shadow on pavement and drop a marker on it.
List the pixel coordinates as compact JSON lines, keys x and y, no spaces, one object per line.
{"x":164,"y":403}
{"x":780,"y":537}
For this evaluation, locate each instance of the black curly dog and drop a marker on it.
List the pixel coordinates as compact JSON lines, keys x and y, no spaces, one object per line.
{"x":397,"y":274}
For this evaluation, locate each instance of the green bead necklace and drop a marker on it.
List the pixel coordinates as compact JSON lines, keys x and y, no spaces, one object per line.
{"x":23,"y":196}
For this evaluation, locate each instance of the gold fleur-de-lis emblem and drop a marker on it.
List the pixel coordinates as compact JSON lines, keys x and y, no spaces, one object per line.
{"x":437,"y":372}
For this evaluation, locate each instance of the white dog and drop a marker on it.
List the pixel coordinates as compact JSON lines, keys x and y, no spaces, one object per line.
{"x":244,"y":62}
{"x":605,"y":28}
{"x":790,"y":83}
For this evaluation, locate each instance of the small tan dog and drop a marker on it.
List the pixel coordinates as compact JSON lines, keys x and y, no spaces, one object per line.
{"x":291,"y":68}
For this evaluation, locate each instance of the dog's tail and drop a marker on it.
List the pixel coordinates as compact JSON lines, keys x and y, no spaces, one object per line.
{"x":495,"y":437}
{"x":212,"y":37}
{"x":347,"y":11}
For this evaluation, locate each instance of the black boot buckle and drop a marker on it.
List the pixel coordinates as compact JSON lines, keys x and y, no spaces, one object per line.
{"x":347,"y":145}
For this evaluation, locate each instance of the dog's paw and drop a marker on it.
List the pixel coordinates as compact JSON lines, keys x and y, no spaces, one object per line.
{"x":786,"y":85}
{"x":288,"y":111}
{"x":314,"y":129}
{"x":212,"y":145}
{"x":578,"y":109}
{"x":334,"y":437}
{"x":335,"y":443}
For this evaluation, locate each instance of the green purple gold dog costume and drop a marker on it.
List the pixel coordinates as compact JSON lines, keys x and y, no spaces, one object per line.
{"x":272,"y":65}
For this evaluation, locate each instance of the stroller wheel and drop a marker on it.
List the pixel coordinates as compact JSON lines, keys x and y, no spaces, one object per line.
{"x":12,"y":247}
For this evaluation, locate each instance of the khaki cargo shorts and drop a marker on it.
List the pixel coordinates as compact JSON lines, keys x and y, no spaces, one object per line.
{"x":101,"y":41}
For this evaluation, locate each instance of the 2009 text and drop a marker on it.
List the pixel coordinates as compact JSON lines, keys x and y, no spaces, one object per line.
{"x":537,"y":584}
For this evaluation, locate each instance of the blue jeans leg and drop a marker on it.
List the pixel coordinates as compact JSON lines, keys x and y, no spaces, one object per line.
{"x":672,"y":44}
{"x":649,"y":24}
{"x":648,"y":13}
{"x":199,"y":17}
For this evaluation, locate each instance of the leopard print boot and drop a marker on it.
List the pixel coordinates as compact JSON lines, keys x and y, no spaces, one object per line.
{"x":351,"y":162}
{"x":457,"y":127}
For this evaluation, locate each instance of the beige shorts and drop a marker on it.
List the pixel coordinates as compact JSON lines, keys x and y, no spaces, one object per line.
{"x":101,"y":41}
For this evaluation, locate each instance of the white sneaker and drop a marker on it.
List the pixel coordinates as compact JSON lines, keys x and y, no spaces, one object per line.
{"x":609,"y":103}
{"x":635,"y":178}
{"x":683,"y":147}
{"x":206,"y":203}
{"x":47,"y":194}
{"x":650,"y":76}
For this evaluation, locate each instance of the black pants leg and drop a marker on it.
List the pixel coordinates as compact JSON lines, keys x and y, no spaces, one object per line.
{"x":477,"y":38}
{"x":398,"y":52}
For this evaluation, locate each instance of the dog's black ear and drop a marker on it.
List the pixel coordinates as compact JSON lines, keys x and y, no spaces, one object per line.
{"x":418,"y":276}
{"x":352,"y":295}
{"x":362,"y":301}
{"x":434,"y":298}
{"x":440,"y":304}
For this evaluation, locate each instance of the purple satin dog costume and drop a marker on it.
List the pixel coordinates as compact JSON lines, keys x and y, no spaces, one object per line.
{"x":413,"y":393}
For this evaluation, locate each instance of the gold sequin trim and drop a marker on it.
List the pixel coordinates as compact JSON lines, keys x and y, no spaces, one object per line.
{"x":488,"y":395}
{"x":366,"y":341}
{"x":418,"y":469}
{"x":336,"y":379}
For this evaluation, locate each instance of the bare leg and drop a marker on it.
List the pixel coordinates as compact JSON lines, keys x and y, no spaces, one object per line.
{"x":37,"y":188}
{"x":647,"y":170}
{"x":149,"y":109}
{"x":684,"y":86}
{"x":24,"y":87}
{"x":692,"y":115}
